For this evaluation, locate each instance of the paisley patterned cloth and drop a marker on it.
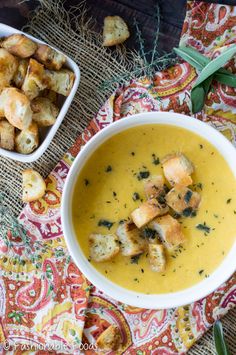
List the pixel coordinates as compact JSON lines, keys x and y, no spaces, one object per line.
{"x":44,"y":298}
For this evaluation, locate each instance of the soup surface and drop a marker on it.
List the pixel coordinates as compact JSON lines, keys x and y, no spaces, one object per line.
{"x":105,"y":190}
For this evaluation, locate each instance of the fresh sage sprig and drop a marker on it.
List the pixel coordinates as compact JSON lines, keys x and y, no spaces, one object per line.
{"x":210,"y":70}
{"x":220,"y":343}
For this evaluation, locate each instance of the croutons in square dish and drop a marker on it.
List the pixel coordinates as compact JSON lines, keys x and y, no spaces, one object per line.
{"x":32,"y":78}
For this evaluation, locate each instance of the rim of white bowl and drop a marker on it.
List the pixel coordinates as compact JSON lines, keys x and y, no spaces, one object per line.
{"x":153,"y":301}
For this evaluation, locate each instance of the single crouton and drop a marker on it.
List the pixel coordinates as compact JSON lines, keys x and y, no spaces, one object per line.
{"x":8,"y":67}
{"x":35,"y":79}
{"x":130,"y":238}
{"x":60,"y":81}
{"x":16,"y":108}
{"x":51,"y":95}
{"x":109,"y":339}
{"x":147,"y":211}
{"x":28,"y":140}
{"x":183,"y":200}
{"x":34,"y":186}
{"x":154,"y":186}
{"x":177,"y":169}
{"x":20,"y":73}
{"x":19,"y":45}
{"x":115,"y":31}
{"x":103,"y":247}
{"x":157,"y":257}
{"x":44,"y":111}
{"x":49,"y":57}
{"x":169,"y":230}
{"x":7,"y":135}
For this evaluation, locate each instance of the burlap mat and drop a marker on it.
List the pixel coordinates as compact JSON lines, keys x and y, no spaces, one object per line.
{"x":72,"y":34}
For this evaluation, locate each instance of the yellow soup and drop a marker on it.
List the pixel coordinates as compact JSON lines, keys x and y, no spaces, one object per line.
{"x":106,"y":187}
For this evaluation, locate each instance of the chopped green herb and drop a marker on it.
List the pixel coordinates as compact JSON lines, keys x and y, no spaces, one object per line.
{"x":105,"y":223}
{"x":201,"y":146}
{"x":136,"y":196}
{"x":133,"y":153}
{"x":189,"y":212}
{"x":86,"y":182}
{"x":114,"y":193}
{"x":108,"y":169}
{"x":142,"y":270}
{"x":136,"y":279}
{"x":108,"y":201}
{"x":143,"y":175}
{"x":161,"y":199}
{"x":155,"y":160}
{"x":203,"y":227}
{"x":149,"y":233}
{"x":200,"y":271}
{"x":187,"y":196}
{"x":122,"y":221}
{"x":229,"y":200}
{"x":135,"y":259}
{"x":199,"y":185}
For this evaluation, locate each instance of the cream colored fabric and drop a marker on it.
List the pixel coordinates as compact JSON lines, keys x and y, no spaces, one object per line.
{"x":72,"y":35}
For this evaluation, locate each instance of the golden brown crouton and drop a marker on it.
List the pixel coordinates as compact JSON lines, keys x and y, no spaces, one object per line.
{"x":103,"y":247}
{"x":19,"y":45}
{"x":16,"y":108}
{"x":35,"y":79}
{"x":20,"y":73}
{"x":28,"y":140}
{"x":183,"y":200}
{"x":115,"y":31}
{"x":7,"y":135}
{"x":154,"y":186}
{"x":49,"y":57}
{"x":8,"y":67}
{"x":131,"y":242}
{"x":147,"y":211}
{"x":177,"y":169}
{"x":157,"y":257}
{"x":60,"y":81}
{"x":51,"y":95}
{"x":34,"y":186}
{"x":169,"y":230}
{"x":110,"y":339}
{"x":44,"y":111}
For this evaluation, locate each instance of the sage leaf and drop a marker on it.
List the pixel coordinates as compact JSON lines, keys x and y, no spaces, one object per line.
{"x":192,"y":56}
{"x":215,"y":64}
{"x":220,"y":343}
{"x":226,"y":79}
{"x":199,"y":93}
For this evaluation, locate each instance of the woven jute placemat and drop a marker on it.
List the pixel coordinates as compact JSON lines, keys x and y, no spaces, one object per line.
{"x":72,"y":33}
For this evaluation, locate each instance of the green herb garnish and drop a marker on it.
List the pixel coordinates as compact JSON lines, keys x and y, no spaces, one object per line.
{"x":143,"y":175}
{"x":135,"y":196}
{"x":187,"y":196}
{"x":203,"y":227}
{"x":135,"y":259}
{"x":86,"y":182}
{"x":189,"y":212}
{"x":108,"y":169}
{"x":149,"y":233}
{"x":229,"y":200}
{"x":155,"y":160}
{"x":200,"y":271}
{"x":105,"y":223}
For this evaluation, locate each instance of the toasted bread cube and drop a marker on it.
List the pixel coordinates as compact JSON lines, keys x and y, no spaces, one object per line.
{"x":115,"y":31}
{"x":169,"y":230}
{"x":181,"y":199}
{"x":7,"y":135}
{"x":60,"y":81}
{"x":19,"y":45}
{"x":147,"y":211}
{"x":49,"y":57}
{"x":34,"y":186}
{"x":17,"y":108}
{"x":51,"y":95}
{"x":131,"y":241}
{"x":154,"y":186}
{"x":44,"y":111}
{"x":178,"y":169}
{"x":35,"y":79}
{"x":8,"y":67}
{"x":28,"y":140}
{"x":20,"y":73}
{"x":103,"y":247}
{"x":157,"y":259}
{"x":110,"y":339}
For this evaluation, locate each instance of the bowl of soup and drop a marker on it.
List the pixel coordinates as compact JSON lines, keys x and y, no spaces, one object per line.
{"x":149,"y":210}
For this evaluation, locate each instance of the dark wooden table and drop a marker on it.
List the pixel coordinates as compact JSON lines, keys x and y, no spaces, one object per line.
{"x":15,"y":13}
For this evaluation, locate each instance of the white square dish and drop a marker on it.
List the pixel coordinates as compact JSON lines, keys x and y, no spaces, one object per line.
{"x":49,"y":131}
